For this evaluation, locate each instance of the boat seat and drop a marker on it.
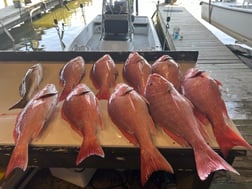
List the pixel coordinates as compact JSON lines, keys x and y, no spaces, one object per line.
{"x":116,"y":30}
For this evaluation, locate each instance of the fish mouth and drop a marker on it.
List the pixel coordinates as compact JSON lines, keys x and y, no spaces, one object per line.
{"x":48,"y":95}
{"x":128,"y":91}
{"x":166,"y":58}
{"x":82,"y":93}
{"x":198,"y":73}
{"x":123,"y":89}
{"x":48,"y":91}
{"x":193,"y":73}
{"x":155,"y":80}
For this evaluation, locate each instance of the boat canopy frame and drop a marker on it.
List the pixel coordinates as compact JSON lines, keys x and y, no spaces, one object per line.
{"x":117,"y":20}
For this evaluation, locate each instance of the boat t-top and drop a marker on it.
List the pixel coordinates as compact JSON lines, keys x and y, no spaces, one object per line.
{"x":117,"y":29}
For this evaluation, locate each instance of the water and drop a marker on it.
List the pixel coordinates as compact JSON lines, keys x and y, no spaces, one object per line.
{"x":42,"y":33}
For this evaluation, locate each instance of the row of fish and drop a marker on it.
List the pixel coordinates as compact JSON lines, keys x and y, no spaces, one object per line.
{"x":39,"y":105}
{"x":152,"y":95}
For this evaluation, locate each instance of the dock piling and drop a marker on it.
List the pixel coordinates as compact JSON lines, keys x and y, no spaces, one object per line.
{"x":9,"y":35}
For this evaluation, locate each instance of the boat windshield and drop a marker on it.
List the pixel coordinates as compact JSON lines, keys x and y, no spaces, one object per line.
{"x":117,"y":6}
{"x":117,"y":20}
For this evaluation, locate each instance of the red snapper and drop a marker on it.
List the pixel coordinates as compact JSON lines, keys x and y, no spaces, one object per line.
{"x":81,"y":110}
{"x":103,"y":75}
{"x":136,"y":71}
{"x":71,"y":75}
{"x":29,"y":124}
{"x":169,"y":69}
{"x":203,"y":91}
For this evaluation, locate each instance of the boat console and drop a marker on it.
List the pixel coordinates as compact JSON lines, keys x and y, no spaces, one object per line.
{"x":117,"y":20}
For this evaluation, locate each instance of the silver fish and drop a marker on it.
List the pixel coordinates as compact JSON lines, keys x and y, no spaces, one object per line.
{"x":29,"y":85}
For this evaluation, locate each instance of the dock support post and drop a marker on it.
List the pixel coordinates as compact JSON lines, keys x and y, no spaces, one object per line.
{"x":9,"y":35}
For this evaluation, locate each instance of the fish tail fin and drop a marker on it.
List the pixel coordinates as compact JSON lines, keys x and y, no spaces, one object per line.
{"x":152,"y":160}
{"x":89,"y":148}
{"x":227,"y":138}
{"x":208,"y":161}
{"x":103,"y":94}
{"x":18,"y":159}
{"x":19,"y":104}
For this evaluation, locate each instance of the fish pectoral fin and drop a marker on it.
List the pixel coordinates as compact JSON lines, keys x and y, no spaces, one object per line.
{"x":203,"y":123}
{"x":152,"y":127}
{"x":205,"y":133}
{"x":37,"y":131}
{"x":177,"y":138}
{"x":201,"y":116}
{"x":131,"y":137}
{"x":100,"y":121}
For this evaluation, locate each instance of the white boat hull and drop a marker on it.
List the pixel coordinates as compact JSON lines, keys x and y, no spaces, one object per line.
{"x":233,"y":19}
{"x":144,"y":38}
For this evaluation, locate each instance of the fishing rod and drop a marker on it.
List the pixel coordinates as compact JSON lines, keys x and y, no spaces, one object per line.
{"x":65,"y":5}
{"x":60,"y":32}
{"x":83,"y":13}
{"x":156,"y":11}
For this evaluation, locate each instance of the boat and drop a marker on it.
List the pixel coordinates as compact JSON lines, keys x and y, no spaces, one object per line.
{"x":117,"y":29}
{"x":232,"y":17}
